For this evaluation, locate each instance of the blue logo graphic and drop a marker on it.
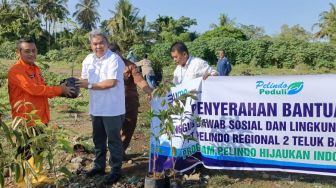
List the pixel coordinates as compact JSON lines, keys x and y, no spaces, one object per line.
{"x":279,"y":88}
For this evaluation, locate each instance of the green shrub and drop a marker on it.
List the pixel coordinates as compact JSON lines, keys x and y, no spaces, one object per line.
{"x":326,"y":64}
{"x":140,"y":50}
{"x":160,"y":53}
{"x":53,"y":55}
{"x":68,"y":55}
{"x":7,"y":50}
{"x":262,"y":53}
{"x":302,"y":67}
{"x":224,"y":32}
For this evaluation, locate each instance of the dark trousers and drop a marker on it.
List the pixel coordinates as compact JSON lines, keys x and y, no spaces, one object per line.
{"x":107,"y":129}
{"x":129,"y":125}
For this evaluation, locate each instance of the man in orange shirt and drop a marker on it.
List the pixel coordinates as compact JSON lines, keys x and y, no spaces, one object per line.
{"x":26,"y":84}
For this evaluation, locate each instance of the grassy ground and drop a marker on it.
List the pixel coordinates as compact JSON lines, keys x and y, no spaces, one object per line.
{"x":72,"y":114}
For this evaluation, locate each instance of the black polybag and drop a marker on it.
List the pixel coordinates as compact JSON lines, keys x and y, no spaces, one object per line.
{"x":71,"y":82}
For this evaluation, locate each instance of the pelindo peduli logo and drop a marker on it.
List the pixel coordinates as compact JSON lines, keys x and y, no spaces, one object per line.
{"x":278,"y":88}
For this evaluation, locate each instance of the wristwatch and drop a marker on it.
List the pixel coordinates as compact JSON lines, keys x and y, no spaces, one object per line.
{"x":90,"y":86}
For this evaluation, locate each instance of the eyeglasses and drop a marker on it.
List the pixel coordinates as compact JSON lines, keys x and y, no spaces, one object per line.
{"x":28,"y":51}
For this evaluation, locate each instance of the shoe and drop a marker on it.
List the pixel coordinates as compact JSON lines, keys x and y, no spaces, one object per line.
{"x":94,"y":172}
{"x":40,"y":178}
{"x":112,"y":178}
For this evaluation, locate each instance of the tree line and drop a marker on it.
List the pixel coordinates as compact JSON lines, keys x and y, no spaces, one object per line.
{"x":58,"y":36}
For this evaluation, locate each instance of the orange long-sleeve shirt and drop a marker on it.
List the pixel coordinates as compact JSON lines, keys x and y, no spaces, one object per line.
{"x":26,"y":83}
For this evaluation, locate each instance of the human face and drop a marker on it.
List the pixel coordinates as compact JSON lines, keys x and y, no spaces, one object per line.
{"x":99,"y":46}
{"x":221,"y":54}
{"x":179,"y":58}
{"x":27,"y":52}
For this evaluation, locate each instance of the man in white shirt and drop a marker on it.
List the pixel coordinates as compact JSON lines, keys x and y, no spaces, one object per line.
{"x":102,"y":74}
{"x":188,"y":67}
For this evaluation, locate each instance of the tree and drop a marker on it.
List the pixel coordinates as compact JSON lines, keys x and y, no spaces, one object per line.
{"x":125,"y":23}
{"x":252,"y":31}
{"x":26,"y":8}
{"x":52,"y":11}
{"x":104,"y":26}
{"x":73,"y":36}
{"x":295,"y":32}
{"x":167,"y":29}
{"x":13,"y":26}
{"x":5,"y":5}
{"x":86,"y":14}
{"x":227,"y":31}
{"x":141,"y":30}
{"x":327,"y":24}
{"x":224,"y":20}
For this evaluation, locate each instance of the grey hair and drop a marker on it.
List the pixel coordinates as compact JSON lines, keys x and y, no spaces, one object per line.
{"x":97,"y":32}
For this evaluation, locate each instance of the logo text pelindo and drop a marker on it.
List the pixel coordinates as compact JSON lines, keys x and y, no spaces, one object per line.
{"x":278,"y":88}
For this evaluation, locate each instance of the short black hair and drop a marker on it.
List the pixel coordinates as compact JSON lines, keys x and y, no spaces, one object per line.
{"x":22,"y":40}
{"x":114,"y":47}
{"x":180,"y":47}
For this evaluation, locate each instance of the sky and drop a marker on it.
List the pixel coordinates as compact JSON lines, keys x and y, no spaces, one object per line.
{"x":268,"y":14}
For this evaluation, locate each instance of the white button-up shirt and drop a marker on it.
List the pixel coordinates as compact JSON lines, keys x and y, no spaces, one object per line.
{"x":107,"y":102}
{"x":194,"y":68}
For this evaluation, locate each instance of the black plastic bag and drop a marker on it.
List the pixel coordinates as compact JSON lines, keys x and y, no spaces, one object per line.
{"x":71,"y":82}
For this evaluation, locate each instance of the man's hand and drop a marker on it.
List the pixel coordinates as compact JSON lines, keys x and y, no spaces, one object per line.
{"x":82,"y":83}
{"x":206,"y":75}
{"x":67,"y":91}
{"x":145,"y":87}
{"x":149,"y":97}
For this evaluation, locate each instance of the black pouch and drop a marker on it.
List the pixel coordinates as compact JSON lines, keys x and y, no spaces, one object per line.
{"x":71,"y":82}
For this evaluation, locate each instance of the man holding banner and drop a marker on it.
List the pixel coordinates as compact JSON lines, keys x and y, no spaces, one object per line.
{"x":188,"y":67}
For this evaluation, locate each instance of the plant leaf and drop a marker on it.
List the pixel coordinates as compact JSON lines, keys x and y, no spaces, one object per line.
{"x":17,"y":171}
{"x":7,"y":133}
{"x":65,"y":171}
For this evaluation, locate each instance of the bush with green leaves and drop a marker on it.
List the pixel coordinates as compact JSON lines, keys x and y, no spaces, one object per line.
{"x":7,"y":50}
{"x":69,"y":55}
{"x":4,"y":99}
{"x":139,"y":50}
{"x":4,"y":103}
{"x":42,"y":142}
{"x":54,"y":55}
{"x":281,"y":53}
{"x":160,"y":53}
{"x":260,"y":53}
{"x":226,"y":31}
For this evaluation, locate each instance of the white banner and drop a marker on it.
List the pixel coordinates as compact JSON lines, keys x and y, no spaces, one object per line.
{"x":276,"y":123}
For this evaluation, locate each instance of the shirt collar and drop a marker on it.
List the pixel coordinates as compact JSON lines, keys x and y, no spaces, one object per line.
{"x":26,"y":65}
{"x":107,"y":54}
{"x":188,"y":62}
